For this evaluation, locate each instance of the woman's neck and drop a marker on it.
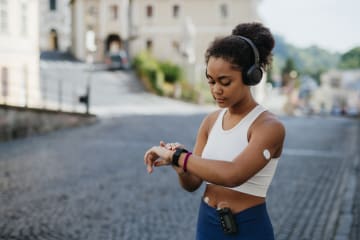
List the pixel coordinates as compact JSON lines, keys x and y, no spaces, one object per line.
{"x":242,"y":107}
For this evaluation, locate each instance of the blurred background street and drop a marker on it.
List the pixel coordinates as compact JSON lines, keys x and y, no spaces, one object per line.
{"x":86,"y":86}
{"x":112,"y":93}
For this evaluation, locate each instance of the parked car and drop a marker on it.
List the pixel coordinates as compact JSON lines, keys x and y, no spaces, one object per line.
{"x":117,"y":60}
{"x":352,"y":112}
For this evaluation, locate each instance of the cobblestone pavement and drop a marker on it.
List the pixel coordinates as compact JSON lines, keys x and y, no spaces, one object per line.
{"x":90,"y":182}
{"x":355,"y":230}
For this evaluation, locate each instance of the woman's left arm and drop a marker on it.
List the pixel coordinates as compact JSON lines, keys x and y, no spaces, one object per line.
{"x":268,"y":134}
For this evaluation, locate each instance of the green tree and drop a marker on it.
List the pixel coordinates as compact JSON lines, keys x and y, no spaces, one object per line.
{"x":289,"y":66}
{"x":269,"y":77}
{"x":308,"y":61}
{"x":350,"y":59}
{"x":288,"y":72}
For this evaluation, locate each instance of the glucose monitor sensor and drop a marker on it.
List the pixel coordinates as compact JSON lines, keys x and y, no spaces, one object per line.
{"x":266,"y":154}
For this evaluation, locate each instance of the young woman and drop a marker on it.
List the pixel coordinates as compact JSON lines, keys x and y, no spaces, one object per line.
{"x":237,"y":147}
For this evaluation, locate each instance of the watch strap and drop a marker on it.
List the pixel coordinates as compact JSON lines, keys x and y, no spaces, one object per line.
{"x":176,"y":156}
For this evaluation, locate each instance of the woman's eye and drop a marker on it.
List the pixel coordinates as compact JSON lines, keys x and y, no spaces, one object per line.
{"x":211,"y":82}
{"x":226,"y":83}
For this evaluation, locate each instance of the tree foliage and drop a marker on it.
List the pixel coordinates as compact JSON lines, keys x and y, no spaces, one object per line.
{"x":289,"y":66}
{"x":350,"y":59}
{"x":308,"y":61}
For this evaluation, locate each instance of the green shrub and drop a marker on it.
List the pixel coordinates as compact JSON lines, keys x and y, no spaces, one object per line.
{"x":159,"y":75}
{"x":148,"y":69}
{"x":172,"y":72}
{"x":156,"y":78}
{"x":188,"y":93}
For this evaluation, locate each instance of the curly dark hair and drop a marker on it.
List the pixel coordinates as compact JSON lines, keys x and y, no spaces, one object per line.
{"x":238,"y":52}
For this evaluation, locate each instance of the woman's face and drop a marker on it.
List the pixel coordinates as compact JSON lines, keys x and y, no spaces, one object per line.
{"x":226,"y":84}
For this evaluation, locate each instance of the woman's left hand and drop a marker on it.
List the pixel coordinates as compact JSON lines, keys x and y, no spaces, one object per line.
{"x":158,"y":156}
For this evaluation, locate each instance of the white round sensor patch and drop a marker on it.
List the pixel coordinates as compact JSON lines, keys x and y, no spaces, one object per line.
{"x":266,"y":154}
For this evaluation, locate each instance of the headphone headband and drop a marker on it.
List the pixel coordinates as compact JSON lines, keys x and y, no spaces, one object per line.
{"x":254,"y":74}
{"x":254,"y":48}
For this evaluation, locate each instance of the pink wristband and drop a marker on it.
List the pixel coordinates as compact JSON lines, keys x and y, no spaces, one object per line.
{"x":186,"y":160}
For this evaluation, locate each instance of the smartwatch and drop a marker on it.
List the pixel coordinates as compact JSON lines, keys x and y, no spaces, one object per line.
{"x":176,"y":156}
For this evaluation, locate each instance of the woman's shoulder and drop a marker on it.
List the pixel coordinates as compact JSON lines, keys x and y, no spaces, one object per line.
{"x":268,"y":121}
{"x":213,"y":116}
{"x":210,"y":119}
{"x":268,"y":127}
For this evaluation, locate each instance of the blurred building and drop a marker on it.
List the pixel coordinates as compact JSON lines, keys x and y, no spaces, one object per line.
{"x":339,"y":92}
{"x":171,"y":29}
{"x":19,"y":52}
{"x":98,"y":26}
{"x":183,"y":29}
{"x":175,"y":30}
{"x":55,"y":25}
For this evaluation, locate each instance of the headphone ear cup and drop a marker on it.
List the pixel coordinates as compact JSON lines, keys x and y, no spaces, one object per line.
{"x":253,"y":75}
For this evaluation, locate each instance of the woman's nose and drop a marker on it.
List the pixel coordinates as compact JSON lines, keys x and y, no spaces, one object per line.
{"x":217,"y":89}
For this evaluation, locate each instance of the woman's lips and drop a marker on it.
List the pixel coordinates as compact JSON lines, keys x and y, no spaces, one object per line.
{"x":219,"y":100}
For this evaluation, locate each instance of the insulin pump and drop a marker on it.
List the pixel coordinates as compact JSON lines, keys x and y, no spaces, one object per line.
{"x":227,"y":220}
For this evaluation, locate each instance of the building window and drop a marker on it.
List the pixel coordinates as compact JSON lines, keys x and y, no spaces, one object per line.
{"x":3,"y":16}
{"x":90,"y":40}
{"x":52,"y":5}
{"x":92,"y":11}
{"x":176,"y":11}
{"x":4,"y":82}
{"x":224,"y":11}
{"x":149,"y":11}
{"x":53,"y":40}
{"x":23,"y":28}
{"x":176,"y":45}
{"x":113,"y":12}
{"x":149,"y":44}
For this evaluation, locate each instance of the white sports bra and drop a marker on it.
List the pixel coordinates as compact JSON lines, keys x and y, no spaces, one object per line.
{"x":227,"y":144}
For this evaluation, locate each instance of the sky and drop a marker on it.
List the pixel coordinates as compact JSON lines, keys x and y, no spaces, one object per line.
{"x":330,"y":24}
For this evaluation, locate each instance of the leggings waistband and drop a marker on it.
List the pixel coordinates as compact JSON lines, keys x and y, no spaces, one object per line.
{"x":244,"y":215}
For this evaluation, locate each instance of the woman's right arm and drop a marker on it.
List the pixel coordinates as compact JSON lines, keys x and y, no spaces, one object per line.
{"x":189,"y":181}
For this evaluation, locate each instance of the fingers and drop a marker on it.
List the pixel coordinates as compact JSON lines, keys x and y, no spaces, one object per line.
{"x":161,"y":162}
{"x":156,"y":156}
{"x":147,"y":161}
{"x":159,"y":155}
{"x":171,"y":146}
{"x":149,"y":158}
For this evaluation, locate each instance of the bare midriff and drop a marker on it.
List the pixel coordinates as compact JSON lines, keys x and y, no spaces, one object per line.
{"x":237,"y":201}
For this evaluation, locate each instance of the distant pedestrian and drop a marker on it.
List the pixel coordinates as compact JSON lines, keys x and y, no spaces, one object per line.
{"x":237,"y":147}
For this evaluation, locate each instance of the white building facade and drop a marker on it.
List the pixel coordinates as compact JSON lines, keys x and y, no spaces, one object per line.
{"x":175,"y":30}
{"x":171,"y":28}
{"x":55,"y":25}
{"x":19,"y":52}
{"x":98,"y":26}
{"x":339,"y":91}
